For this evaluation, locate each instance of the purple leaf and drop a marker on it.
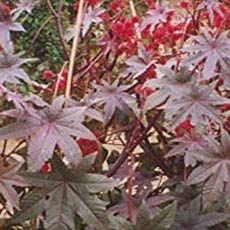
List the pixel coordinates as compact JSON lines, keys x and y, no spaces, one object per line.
{"x":8,"y":179}
{"x":50,"y":126}
{"x":10,"y":68}
{"x":215,"y":169}
{"x":211,"y":48}
{"x":212,"y":6}
{"x":155,"y":17}
{"x":113,"y":96}
{"x":199,"y":103}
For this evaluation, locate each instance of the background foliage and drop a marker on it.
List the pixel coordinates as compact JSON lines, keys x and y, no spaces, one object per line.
{"x":136,"y":135}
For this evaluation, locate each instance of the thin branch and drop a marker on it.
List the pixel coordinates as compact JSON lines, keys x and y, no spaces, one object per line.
{"x":59,"y":76}
{"x":130,"y":187}
{"x":4,"y":148}
{"x":90,"y":65}
{"x":134,"y":14}
{"x":131,"y":144}
{"x":158,"y":160}
{"x":77,"y":30}
{"x":57,"y":17}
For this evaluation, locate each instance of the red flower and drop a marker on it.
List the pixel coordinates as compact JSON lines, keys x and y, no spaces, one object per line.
{"x":225,"y":107}
{"x":183,"y":128}
{"x":46,"y":168}
{"x":123,"y":29}
{"x":227,"y":124}
{"x":62,"y":81}
{"x":116,"y":5}
{"x":93,"y":2}
{"x":48,"y":74}
{"x":76,"y":6}
{"x":90,"y":146}
{"x":87,"y":146}
{"x":5,"y":8}
{"x":184,"y":5}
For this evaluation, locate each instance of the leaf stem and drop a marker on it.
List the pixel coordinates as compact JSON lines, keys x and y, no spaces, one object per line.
{"x":59,"y":76}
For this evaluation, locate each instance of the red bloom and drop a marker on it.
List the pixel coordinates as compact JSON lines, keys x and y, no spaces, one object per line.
{"x":62,"y":82}
{"x":90,"y":146}
{"x":87,"y":146}
{"x":184,"y":5}
{"x":117,"y":5}
{"x":183,"y":128}
{"x":48,"y":74}
{"x":93,"y":2}
{"x":227,"y":124}
{"x":5,"y":8}
{"x":46,"y":168}
{"x":123,"y":29}
{"x":225,"y":107}
{"x":76,"y":6}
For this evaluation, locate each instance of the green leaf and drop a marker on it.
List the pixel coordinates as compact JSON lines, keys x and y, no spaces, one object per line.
{"x":117,"y":223}
{"x":161,"y":221}
{"x":86,"y":162}
{"x":165,"y":217}
{"x":143,"y":216}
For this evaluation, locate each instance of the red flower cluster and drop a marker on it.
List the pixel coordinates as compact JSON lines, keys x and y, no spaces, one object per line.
{"x":89,"y":146}
{"x":225,"y":107}
{"x":166,"y":34}
{"x":46,"y":168}
{"x":118,"y":5}
{"x":183,"y":128}
{"x":124,"y":33}
{"x":5,"y":8}
{"x":49,"y":75}
{"x":123,"y":29}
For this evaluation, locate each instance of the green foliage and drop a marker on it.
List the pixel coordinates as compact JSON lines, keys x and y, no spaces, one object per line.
{"x":161,"y":221}
{"x":46,"y":46}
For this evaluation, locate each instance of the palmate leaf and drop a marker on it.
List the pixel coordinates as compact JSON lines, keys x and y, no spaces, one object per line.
{"x":215,"y":170}
{"x":7,"y":25}
{"x":225,"y":76}
{"x":190,"y":145}
{"x":161,"y":221}
{"x":212,"y":6}
{"x":213,"y":49}
{"x":91,"y":16}
{"x":64,"y":193}
{"x":23,"y":5}
{"x":156,"y":16}
{"x":171,"y":85}
{"x":113,"y":96}
{"x":191,"y":218}
{"x":9,"y":178}
{"x":10,"y":68}
{"x":140,"y":63}
{"x":198,"y":102}
{"x":48,"y":127}
{"x":86,"y":104}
